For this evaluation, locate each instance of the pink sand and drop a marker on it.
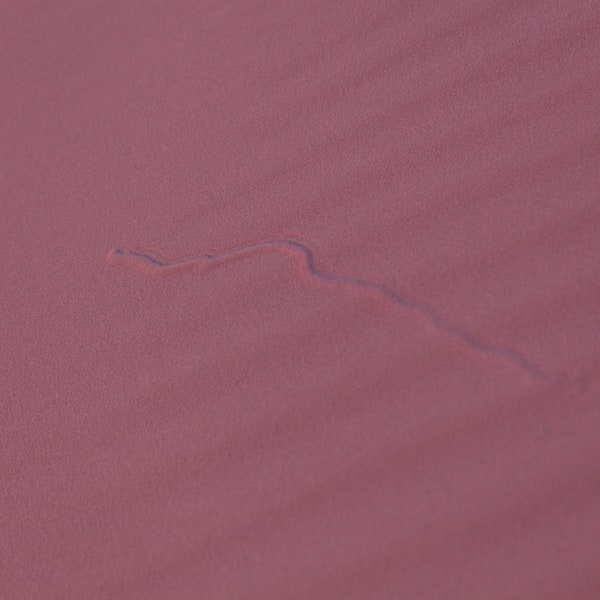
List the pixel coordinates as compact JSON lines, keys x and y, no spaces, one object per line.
{"x":299,"y":300}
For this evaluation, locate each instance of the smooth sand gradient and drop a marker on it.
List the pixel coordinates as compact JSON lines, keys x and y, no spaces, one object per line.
{"x":346,"y":343}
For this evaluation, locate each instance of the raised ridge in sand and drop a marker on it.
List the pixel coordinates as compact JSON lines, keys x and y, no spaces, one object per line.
{"x":303,"y":252}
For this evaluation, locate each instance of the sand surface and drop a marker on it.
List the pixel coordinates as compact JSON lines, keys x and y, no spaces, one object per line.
{"x":299,"y":300}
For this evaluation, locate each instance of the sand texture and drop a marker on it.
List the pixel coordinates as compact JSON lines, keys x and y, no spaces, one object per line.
{"x":299,"y":300}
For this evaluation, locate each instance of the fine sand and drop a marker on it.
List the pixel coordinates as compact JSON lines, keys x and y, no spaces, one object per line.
{"x":299,"y":300}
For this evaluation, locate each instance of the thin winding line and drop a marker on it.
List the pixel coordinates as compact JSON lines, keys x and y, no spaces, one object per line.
{"x":213,"y":260}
